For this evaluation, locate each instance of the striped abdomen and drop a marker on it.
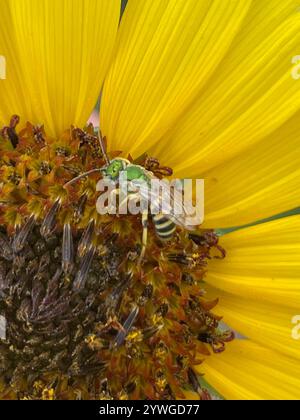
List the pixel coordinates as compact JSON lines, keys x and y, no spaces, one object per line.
{"x":164,"y":227}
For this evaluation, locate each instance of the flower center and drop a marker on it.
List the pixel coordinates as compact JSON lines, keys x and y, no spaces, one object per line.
{"x":80,"y":309}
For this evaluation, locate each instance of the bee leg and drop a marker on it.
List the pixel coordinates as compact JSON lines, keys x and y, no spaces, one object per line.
{"x":145,"y":236}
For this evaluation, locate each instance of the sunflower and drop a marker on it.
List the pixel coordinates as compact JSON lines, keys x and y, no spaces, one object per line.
{"x":202,"y":89}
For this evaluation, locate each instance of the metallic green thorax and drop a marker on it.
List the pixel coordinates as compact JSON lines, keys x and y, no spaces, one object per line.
{"x":134,"y":172}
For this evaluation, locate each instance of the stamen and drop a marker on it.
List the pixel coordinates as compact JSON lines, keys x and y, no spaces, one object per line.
{"x":151,"y":331}
{"x":191,"y":261}
{"x":38,"y":134}
{"x":6,"y":251}
{"x":67,"y":249}
{"x":86,"y":239}
{"x":153,"y":165}
{"x":81,"y":276}
{"x":21,"y":237}
{"x":49,"y":222}
{"x":119,"y":340}
{"x":80,"y":208}
{"x":45,"y":168}
{"x":203,"y":394}
{"x":208,"y":241}
{"x":217,"y":341}
{"x":10,"y":131}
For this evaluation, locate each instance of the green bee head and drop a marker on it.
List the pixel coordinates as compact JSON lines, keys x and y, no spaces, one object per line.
{"x":113,"y":170}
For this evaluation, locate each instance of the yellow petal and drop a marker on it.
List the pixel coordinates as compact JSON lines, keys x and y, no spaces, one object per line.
{"x":247,"y":371}
{"x":251,"y":94}
{"x":267,"y":324}
{"x":166,"y":52}
{"x":258,"y":183}
{"x":58,"y":52}
{"x":262,"y":263}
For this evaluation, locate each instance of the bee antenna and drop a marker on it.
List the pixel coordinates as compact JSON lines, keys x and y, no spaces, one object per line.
{"x":103,"y":149}
{"x":93,"y":171}
{"x":84,"y":175}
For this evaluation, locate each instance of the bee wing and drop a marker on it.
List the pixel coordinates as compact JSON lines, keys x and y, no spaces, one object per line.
{"x":166,"y":201}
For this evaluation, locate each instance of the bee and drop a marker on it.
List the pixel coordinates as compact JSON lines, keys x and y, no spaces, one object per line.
{"x":139,"y":189}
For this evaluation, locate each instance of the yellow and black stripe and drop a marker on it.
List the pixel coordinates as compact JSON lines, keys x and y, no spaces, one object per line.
{"x":164,"y":227}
